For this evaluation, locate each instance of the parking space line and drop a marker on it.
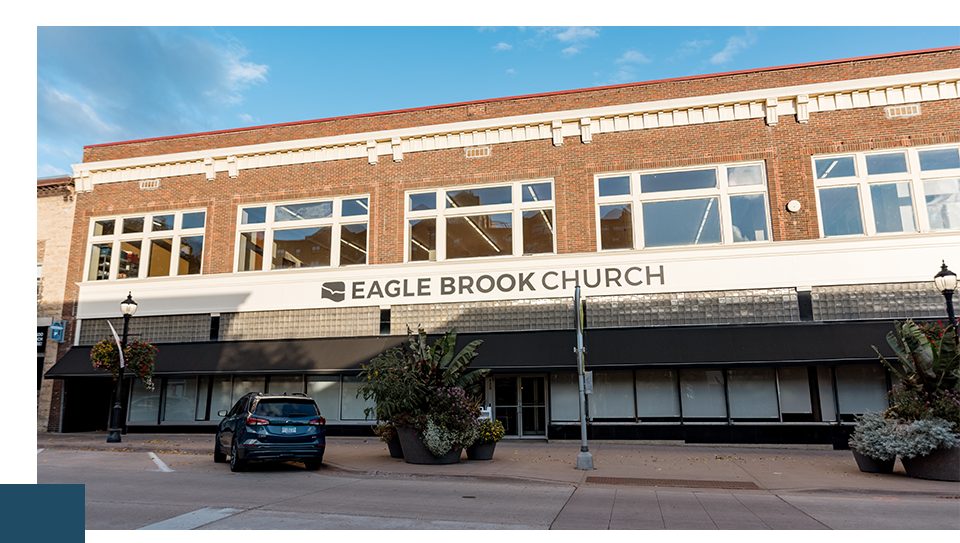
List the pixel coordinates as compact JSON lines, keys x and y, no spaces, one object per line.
{"x":194,"y":519}
{"x":159,"y":463}
{"x":39,"y":451}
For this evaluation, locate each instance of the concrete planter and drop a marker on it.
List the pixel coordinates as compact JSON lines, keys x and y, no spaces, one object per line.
{"x":939,"y":465}
{"x":416,"y":452}
{"x":481,"y":451}
{"x":396,"y":450}
{"x":872,"y":465}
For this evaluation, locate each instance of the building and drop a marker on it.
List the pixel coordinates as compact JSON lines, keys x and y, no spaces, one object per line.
{"x":740,"y":239}
{"x":55,"y":208}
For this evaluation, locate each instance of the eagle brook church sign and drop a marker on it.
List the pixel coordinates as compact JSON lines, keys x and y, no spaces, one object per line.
{"x":492,"y":286}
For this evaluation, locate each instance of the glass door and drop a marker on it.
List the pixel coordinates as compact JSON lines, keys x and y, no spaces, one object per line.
{"x":520,"y":404}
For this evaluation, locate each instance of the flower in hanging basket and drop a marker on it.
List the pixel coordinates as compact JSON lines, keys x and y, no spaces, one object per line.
{"x":137,"y":356}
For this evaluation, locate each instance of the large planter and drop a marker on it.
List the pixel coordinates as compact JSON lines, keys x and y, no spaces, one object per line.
{"x":939,"y":465}
{"x":416,"y":452}
{"x":396,"y":450}
{"x":872,"y":465}
{"x":481,"y":451}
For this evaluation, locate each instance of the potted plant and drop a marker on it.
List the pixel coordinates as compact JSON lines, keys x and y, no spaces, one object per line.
{"x":926,"y":402}
{"x":388,"y":434}
{"x":489,"y":432}
{"x":872,"y":443}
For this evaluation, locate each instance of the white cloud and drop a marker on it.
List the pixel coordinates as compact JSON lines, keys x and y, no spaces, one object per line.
{"x":48,"y":170}
{"x":570,"y":51}
{"x":502,"y":47}
{"x":633,"y":57}
{"x":511,"y":71}
{"x":576,"y":34}
{"x":734,"y":45}
{"x":245,"y":117}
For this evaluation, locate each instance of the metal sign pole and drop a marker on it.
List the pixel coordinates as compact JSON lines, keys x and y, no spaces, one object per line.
{"x":584,"y":459}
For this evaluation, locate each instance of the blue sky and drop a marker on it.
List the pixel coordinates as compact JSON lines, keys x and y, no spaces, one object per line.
{"x":108,"y":84}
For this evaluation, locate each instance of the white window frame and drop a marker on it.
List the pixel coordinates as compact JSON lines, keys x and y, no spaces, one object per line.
{"x":335,"y":221}
{"x":516,"y":208}
{"x":115,"y":239}
{"x":863,"y":181}
{"x":722,"y":192}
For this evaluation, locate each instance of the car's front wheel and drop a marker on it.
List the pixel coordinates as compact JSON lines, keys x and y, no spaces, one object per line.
{"x":236,"y":464}
{"x":313,"y":464}
{"x":218,"y":455}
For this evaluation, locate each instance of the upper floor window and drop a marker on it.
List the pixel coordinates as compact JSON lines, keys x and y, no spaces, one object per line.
{"x":147,"y":245}
{"x":303,"y":234}
{"x":465,"y":222}
{"x":875,"y":192}
{"x":692,"y":206}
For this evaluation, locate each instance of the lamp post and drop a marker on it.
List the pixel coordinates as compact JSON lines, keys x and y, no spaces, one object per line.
{"x":946,"y":282}
{"x":128,"y":307}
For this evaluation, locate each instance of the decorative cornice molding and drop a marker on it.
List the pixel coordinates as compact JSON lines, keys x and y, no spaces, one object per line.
{"x":770,"y":104}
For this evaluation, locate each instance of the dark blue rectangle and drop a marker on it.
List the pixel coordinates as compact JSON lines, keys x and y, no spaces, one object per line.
{"x":42,"y":513}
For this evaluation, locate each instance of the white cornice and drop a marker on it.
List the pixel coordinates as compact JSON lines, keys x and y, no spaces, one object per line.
{"x":800,"y":100}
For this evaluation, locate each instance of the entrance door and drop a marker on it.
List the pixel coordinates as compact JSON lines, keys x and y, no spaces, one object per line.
{"x":520,"y":404}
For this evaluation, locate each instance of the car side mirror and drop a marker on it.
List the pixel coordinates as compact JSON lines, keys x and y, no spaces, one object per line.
{"x":222,"y":413}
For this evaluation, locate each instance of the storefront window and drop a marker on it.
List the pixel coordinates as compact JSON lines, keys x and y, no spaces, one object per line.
{"x":564,"y":397}
{"x":612,"y":396}
{"x":351,"y":407}
{"x":179,"y":401}
{"x":325,"y":390}
{"x":861,"y":388}
{"x":753,"y":393}
{"x":657,"y":395}
{"x":144,"y":404}
{"x":794,"y":385}
{"x":702,"y":394}
{"x":285,"y":385}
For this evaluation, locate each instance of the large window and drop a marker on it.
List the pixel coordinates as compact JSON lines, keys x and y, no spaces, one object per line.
{"x":888,"y":191}
{"x":154,"y":245}
{"x":304,"y":234}
{"x":469,"y":222}
{"x":693,"y":206}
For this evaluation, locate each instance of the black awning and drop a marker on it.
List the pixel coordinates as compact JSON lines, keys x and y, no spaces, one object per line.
{"x":542,"y":350}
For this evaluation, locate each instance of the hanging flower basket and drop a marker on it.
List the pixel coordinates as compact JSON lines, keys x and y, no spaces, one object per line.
{"x":138,"y":359}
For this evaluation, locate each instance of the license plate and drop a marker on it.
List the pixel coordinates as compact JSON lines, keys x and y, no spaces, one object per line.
{"x":288,"y":430}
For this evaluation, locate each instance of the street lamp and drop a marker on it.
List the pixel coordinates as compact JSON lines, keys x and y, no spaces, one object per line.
{"x":946,"y":282}
{"x":128,"y":307}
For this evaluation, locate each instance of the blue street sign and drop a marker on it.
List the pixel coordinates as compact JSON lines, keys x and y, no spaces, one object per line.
{"x":56,"y":331}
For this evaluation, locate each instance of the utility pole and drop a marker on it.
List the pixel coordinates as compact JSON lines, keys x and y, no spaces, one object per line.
{"x":584,"y":459}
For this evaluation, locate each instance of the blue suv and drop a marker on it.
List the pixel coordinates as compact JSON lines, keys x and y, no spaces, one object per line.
{"x":271,"y":427}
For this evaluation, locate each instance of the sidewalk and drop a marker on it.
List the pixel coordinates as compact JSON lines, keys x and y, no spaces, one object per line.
{"x":786,"y":469}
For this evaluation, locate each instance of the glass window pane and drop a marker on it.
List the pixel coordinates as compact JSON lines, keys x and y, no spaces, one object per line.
{"x":161,"y":223}
{"x":694,"y":179}
{"x":564,"y":397}
{"x":828,"y":406}
{"x":103,"y":228}
{"x":421,"y":202}
{"x":886,"y":163}
{"x":536,"y":192}
{"x":423,"y":240}
{"x":251,"y":251}
{"x":325,"y":390}
{"x":939,"y":159}
{"x":794,"y":389}
{"x":355,"y":206}
{"x":616,"y":227}
{"x":253,"y":215}
{"x":538,"y":231}
{"x":301,"y":212}
{"x":828,"y":168}
{"x":860,"y":388}
{"x":613,"y":186}
{"x":202,"y":388}
{"x":743,"y":176}
{"x":288,"y":385}
{"x":353,"y":244}
{"x":301,"y":248}
{"x":194,"y":219}
{"x":748,"y":213}
{"x":133,"y":225}
{"x":480,"y":235}
{"x":753,"y":393}
{"x":243,"y":385}
{"x":612,"y":395}
{"x":352,"y":406}
{"x":840,"y":211}
{"x":701,"y":394}
{"x":681,"y":222}
{"x":144,"y":404}
{"x":892,"y":207}
{"x":129,"y":260}
{"x":943,"y":203}
{"x":657,"y":394}
{"x":160,"y":250}
{"x":180,"y":400}
{"x":220,"y":399}
{"x":479,"y":197}
{"x":191,"y":255}
{"x":100,"y":262}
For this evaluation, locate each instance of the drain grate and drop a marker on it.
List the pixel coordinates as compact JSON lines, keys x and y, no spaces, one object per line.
{"x":633,"y":481}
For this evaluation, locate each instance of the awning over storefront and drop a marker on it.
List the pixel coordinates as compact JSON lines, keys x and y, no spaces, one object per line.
{"x":549,"y":350}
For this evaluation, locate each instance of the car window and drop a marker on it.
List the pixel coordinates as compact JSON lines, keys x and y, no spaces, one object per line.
{"x":286,"y":408}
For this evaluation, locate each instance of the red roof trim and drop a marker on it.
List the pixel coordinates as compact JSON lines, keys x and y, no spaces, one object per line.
{"x":527,"y":96}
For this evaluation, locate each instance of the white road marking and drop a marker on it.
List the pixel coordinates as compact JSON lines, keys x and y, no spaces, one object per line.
{"x":39,"y":451}
{"x":159,"y":463}
{"x":194,"y":519}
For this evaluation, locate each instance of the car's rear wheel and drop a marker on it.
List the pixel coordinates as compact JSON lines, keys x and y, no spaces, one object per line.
{"x":313,"y":464}
{"x":236,"y":464}
{"x":218,"y":455}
